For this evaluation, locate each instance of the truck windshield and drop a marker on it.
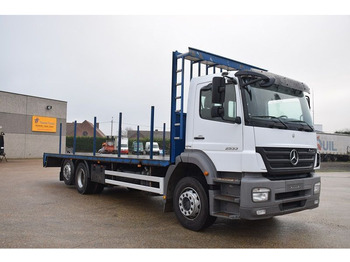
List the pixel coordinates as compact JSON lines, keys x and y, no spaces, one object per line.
{"x":276,"y":107}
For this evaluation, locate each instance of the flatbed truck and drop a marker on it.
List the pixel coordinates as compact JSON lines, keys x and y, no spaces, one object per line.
{"x":244,"y":148}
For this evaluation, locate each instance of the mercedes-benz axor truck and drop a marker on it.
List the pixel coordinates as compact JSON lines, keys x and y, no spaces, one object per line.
{"x":243,"y":146}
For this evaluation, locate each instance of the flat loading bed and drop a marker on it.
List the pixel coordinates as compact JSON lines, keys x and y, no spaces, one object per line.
{"x":51,"y":160}
{"x":143,"y":173}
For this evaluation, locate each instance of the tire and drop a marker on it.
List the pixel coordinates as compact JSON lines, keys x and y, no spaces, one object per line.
{"x":67,"y":170}
{"x":191,"y":204}
{"x":82,"y":180}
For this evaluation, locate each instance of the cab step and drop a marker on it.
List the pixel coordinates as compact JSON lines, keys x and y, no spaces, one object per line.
{"x":226,"y":215}
{"x":232,"y":199}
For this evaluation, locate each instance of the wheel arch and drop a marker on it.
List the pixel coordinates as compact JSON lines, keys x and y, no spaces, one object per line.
{"x":193,"y":163}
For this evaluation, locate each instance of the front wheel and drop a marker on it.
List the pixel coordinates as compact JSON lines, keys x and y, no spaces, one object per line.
{"x":191,"y":204}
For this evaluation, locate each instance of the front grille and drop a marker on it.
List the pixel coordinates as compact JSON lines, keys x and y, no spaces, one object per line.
{"x":279,"y":164}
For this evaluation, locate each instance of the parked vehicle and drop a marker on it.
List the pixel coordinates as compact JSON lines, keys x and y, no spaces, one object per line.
{"x":244,"y":148}
{"x":155,"y":148}
{"x":136,"y":150}
{"x":108,"y":147}
{"x":124,"y":146}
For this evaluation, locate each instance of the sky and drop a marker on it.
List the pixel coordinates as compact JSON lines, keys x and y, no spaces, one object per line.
{"x":106,"y":64}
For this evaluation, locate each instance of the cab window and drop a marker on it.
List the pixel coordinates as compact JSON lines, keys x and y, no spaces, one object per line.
{"x":229,"y":105}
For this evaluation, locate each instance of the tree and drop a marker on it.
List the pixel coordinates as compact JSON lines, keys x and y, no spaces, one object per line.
{"x":345,"y":131}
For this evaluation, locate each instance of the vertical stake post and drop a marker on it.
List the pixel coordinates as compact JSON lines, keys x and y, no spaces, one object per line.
{"x":138,"y":140}
{"x":164,"y":139}
{"x":151,"y":133}
{"x":94,"y":141}
{"x":60,"y":145}
{"x":75,"y":137}
{"x":120,"y":133}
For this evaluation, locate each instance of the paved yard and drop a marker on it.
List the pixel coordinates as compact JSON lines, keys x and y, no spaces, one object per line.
{"x":39,"y":211}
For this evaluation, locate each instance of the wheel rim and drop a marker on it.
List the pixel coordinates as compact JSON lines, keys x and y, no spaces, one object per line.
{"x":189,"y":203}
{"x":67,"y":171}
{"x":81,"y":178}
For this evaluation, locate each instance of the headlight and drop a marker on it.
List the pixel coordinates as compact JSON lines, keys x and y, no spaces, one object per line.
{"x":260,"y":194}
{"x":317,"y":188}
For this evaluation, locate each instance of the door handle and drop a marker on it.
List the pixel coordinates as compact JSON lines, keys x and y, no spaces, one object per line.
{"x":199,"y":137}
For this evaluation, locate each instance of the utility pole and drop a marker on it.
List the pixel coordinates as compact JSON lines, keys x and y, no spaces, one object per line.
{"x":112,"y":127}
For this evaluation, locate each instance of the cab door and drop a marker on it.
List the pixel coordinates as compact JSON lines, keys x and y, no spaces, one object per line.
{"x":215,"y":128}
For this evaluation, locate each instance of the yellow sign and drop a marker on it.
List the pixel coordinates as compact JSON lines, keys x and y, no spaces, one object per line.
{"x":44,"y":124}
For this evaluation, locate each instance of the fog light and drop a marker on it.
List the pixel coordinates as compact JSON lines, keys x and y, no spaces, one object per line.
{"x":261,"y":212}
{"x":260,"y":194}
{"x":317,"y":188}
{"x":316,"y":202}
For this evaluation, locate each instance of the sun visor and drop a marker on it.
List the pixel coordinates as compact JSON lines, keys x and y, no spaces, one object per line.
{"x":279,"y":80}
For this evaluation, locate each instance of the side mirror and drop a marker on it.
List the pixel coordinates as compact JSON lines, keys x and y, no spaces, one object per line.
{"x":238,"y":120}
{"x":217,"y":111}
{"x":218,"y":95}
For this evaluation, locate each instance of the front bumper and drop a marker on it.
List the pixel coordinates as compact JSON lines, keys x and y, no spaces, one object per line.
{"x":286,"y":196}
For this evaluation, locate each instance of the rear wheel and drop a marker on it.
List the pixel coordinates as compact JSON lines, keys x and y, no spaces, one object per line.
{"x":82,"y":180}
{"x":191,"y":204}
{"x":68,"y":172}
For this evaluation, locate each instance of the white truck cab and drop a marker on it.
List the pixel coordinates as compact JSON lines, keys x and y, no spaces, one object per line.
{"x":251,"y":135}
{"x":252,"y":117}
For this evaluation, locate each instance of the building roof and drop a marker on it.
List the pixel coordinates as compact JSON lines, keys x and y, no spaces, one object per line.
{"x":84,"y":129}
{"x":33,"y":96}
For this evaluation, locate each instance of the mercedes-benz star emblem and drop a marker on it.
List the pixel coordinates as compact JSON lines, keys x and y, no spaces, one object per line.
{"x":294,"y":157}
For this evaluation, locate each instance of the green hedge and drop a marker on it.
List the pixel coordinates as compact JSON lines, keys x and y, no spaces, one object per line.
{"x":85,"y":144}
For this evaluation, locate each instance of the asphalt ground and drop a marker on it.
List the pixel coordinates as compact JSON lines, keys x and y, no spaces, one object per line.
{"x":39,"y":211}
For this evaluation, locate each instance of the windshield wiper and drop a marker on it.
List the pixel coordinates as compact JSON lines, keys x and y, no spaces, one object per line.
{"x":310,"y":128}
{"x":273,"y":117}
